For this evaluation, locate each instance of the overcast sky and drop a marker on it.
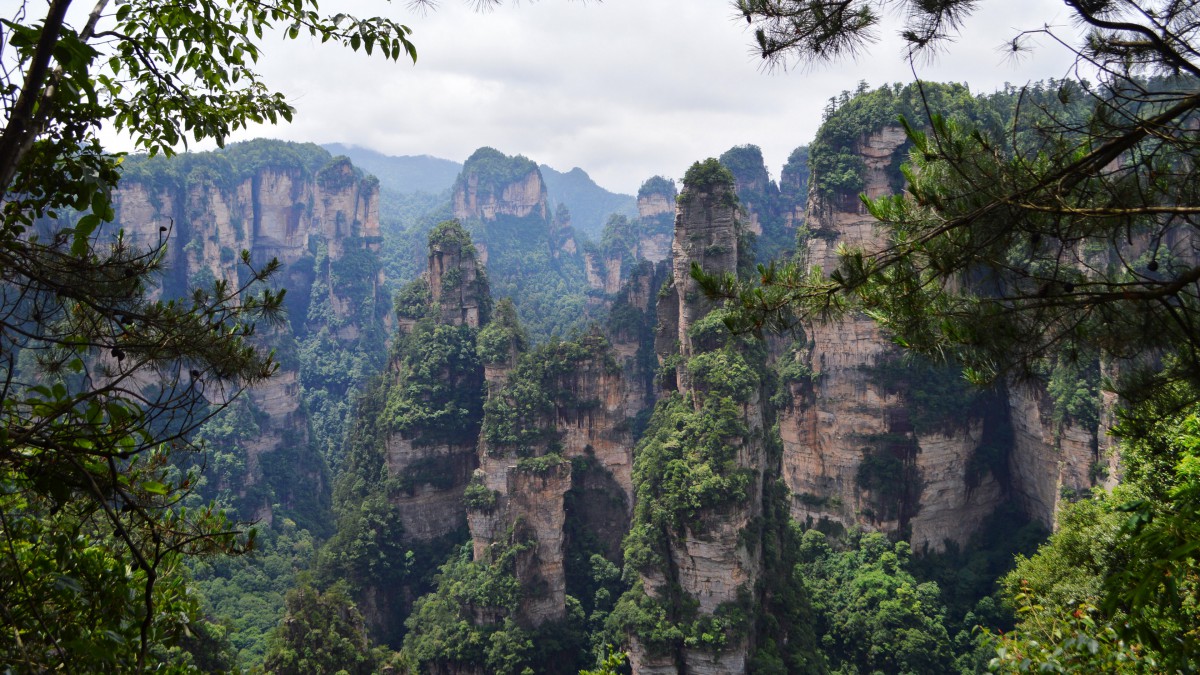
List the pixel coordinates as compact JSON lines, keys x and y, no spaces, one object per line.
{"x":624,"y":89}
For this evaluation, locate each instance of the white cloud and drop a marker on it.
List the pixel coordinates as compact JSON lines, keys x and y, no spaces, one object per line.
{"x":624,"y":89}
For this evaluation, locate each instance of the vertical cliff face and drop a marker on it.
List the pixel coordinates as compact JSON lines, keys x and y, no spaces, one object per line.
{"x":410,"y":450}
{"x":656,"y":213}
{"x":631,"y":327}
{"x":1053,"y":459}
{"x":695,"y":556}
{"x":530,"y":256}
{"x":793,"y":187}
{"x":769,"y":209}
{"x":457,"y":282}
{"x":524,"y":196}
{"x":319,"y":217}
{"x":558,"y":418}
{"x":627,"y":242}
{"x":912,"y":450}
{"x":706,"y":234}
{"x":277,"y":211}
{"x":431,"y":446}
{"x":757,"y":193}
{"x":857,"y":449}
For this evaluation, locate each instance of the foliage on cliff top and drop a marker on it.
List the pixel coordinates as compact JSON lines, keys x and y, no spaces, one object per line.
{"x":706,"y":176}
{"x":451,"y":234}
{"x":793,"y":179}
{"x":494,"y":170}
{"x":745,"y":162}
{"x":235,"y":163}
{"x":437,"y":395}
{"x":521,"y":418}
{"x":658,"y":185}
{"x":503,"y":339}
{"x":547,"y":284}
{"x":413,"y":300}
{"x":835,"y":156}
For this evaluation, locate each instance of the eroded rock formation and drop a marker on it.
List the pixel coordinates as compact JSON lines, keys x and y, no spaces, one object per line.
{"x":851,"y":423}
{"x":527,"y":452}
{"x":319,"y":217}
{"x":707,"y":561}
{"x":844,"y":423}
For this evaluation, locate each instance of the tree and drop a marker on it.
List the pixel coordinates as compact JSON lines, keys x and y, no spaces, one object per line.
{"x":100,"y":379}
{"x":1067,"y":235}
{"x":1074,"y":223}
{"x":322,"y":633}
{"x":872,"y":614}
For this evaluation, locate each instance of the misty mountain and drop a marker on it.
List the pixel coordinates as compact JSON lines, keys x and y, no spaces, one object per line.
{"x":403,"y":174}
{"x":590,"y":205}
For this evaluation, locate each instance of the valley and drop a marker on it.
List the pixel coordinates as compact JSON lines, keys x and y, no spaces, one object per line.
{"x":547,"y":443}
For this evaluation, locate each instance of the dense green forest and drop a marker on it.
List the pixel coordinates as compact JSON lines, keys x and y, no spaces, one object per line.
{"x":263,"y":411}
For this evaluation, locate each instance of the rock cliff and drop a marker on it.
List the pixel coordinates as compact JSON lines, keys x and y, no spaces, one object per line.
{"x":482,"y":194}
{"x":530,"y":256}
{"x":911,"y":450}
{"x":656,"y":213}
{"x":319,"y":216}
{"x":852,"y":455}
{"x":1053,"y":460}
{"x":535,"y":448}
{"x":769,"y":209}
{"x":698,"y":559}
{"x":435,"y":460}
{"x":626,"y":242}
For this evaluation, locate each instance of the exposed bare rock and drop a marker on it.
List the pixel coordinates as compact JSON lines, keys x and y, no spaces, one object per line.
{"x":835,"y":418}
{"x":536,"y":504}
{"x":712,"y":562}
{"x":429,"y":511}
{"x":706,"y":233}
{"x":656,"y":247}
{"x":1049,"y":460}
{"x":656,"y":216}
{"x":456,"y":278}
{"x":476,"y":198}
{"x":594,"y":267}
{"x":284,"y":212}
{"x":835,"y":421}
{"x":654,"y":204}
{"x":588,"y":422}
{"x":948,"y":496}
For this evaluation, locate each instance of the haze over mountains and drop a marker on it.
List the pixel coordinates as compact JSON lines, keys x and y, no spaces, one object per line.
{"x":511,"y":428}
{"x":590,"y":205}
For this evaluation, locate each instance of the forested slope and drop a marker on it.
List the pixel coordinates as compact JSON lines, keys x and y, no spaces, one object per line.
{"x":546,"y":446}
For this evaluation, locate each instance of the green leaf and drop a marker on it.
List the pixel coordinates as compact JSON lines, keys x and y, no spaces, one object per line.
{"x":83,"y":232}
{"x":154,"y":487}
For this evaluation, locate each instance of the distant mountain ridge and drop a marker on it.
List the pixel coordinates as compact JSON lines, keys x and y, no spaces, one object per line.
{"x":402,"y":174}
{"x":590,"y":205}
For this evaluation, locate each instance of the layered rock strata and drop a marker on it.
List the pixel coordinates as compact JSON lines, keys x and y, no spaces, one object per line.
{"x":844,"y":417}
{"x":586,"y":421}
{"x":439,"y":465}
{"x":844,"y":424}
{"x":626,"y":242}
{"x":317,"y":220}
{"x":707,"y":562}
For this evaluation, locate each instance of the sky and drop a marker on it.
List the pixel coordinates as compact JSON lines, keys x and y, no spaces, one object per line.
{"x":624,"y":89}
